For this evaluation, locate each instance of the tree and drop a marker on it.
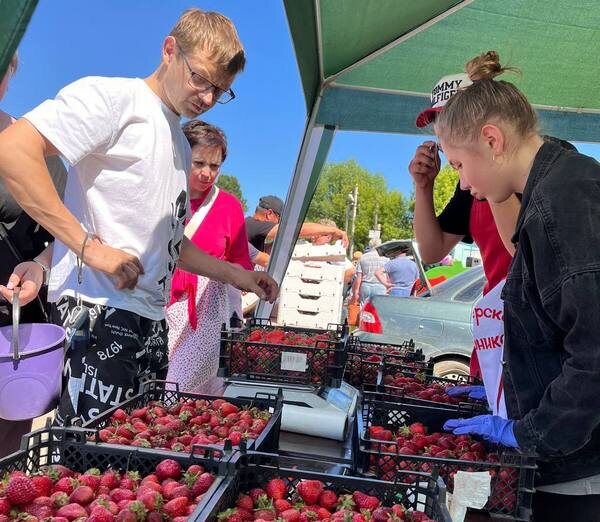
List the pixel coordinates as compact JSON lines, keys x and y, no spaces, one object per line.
{"x":443,"y":188}
{"x":231,"y":184}
{"x":331,"y":198}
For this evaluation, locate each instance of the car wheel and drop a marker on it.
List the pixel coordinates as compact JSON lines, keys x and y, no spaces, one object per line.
{"x":451,"y":369}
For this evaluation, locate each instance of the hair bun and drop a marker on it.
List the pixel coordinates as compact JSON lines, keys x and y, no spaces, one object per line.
{"x":486,"y":66}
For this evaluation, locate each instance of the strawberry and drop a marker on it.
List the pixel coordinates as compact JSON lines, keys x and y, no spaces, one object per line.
{"x":57,"y":470}
{"x":418,"y":428}
{"x":310,"y":490}
{"x":202,"y":484}
{"x":20,"y":491}
{"x":168,"y":468}
{"x":290,"y":515}
{"x":100,"y":514}
{"x":38,"y":510}
{"x":151,"y":499}
{"x":72,"y":511}
{"x":264,"y":514}
{"x":109,"y":479}
{"x":176,"y":507}
{"x":235,"y":437}
{"x":43,"y":485}
{"x":119,"y":415}
{"x":230,"y":515}
{"x":328,"y":499}
{"x":245,"y":502}
{"x":119,"y":494}
{"x":66,"y":484}
{"x":282,"y":505}
{"x":276,"y":488}
{"x":82,"y":495}
{"x":59,"y":498}
{"x":364,"y":501}
{"x":5,"y":506}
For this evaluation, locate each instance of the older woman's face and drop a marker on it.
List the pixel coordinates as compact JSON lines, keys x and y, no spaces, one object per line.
{"x":206,"y":165}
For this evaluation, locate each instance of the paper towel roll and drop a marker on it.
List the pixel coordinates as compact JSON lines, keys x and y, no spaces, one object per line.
{"x":327,"y":423}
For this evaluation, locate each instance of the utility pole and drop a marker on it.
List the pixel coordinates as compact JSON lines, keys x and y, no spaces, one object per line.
{"x":354,"y":207}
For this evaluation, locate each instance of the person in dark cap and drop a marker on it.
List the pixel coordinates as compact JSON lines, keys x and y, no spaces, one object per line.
{"x":262,"y":227}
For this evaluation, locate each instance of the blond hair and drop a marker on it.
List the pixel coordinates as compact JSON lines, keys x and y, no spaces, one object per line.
{"x":485,"y":101}
{"x":327,"y":222}
{"x":213,"y":33}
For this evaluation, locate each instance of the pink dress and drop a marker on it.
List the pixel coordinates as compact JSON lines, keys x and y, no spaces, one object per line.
{"x":199,"y":306}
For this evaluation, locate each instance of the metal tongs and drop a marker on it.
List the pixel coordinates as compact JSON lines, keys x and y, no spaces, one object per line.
{"x":16,"y":316}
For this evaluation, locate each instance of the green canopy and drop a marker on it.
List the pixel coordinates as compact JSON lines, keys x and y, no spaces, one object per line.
{"x":14,"y":17}
{"x":369,"y":65}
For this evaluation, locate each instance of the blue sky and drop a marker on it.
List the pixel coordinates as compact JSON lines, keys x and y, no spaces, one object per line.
{"x":69,"y":39}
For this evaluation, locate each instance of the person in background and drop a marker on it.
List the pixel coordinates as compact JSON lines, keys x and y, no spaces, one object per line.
{"x":398,"y":274}
{"x":119,"y":235}
{"x":200,"y":306}
{"x":326,"y":239}
{"x":366,"y":284}
{"x":262,"y":227}
{"x":20,"y":238}
{"x":551,"y":360}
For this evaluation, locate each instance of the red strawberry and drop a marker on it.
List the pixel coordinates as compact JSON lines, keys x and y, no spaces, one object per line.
{"x":235,"y":437}
{"x":58,"y":470}
{"x":230,"y":515}
{"x":276,"y":488}
{"x":364,"y":501}
{"x":20,"y":491}
{"x":5,"y":506}
{"x":119,"y":415}
{"x":418,"y":428}
{"x":202,"y":484}
{"x":245,"y":502}
{"x":82,"y":495}
{"x":176,"y":507}
{"x":282,"y":505}
{"x":59,"y":498}
{"x":110,"y":479}
{"x":38,"y":510}
{"x":119,"y":494}
{"x":328,"y":499}
{"x":168,"y":468}
{"x":151,"y":499}
{"x":310,"y":490}
{"x":72,"y":511}
{"x":290,"y":515}
{"x":264,"y":514}
{"x":66,"y":484}
{"x":43,"y":485}
{"x":255,"y":493}
{"x":100,"y":514}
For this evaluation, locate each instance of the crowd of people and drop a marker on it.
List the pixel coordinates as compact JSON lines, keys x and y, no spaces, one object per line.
{"x":139,"y":237}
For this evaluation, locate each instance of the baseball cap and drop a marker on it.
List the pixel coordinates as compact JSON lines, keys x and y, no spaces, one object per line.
{"x":440,"y":94}
{"x":271,"y":203}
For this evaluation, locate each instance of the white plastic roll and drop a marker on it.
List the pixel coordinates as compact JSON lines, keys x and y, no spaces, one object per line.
{"x":328,"y":423}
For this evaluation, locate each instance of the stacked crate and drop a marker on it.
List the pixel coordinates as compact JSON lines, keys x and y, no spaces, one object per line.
{"x":312,"y":292}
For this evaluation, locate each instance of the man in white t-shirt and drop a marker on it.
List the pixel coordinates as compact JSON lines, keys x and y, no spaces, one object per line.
{"x":125,"y":205}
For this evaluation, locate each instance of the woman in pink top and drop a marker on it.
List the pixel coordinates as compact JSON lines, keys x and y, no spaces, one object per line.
{"x":199,"y":306}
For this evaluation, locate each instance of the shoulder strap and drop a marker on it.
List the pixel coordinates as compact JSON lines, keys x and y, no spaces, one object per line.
{"x":200,"y":214}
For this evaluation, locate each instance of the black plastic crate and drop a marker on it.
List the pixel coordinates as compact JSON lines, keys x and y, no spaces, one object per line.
{"x":513,"y":475}
{"x":169,"y":394}
{"x":426,"y":378}
{"x":69,"y":447}
{"x":363,"y":365}
{"x":321,"y":363}
{"x":256,"y":469}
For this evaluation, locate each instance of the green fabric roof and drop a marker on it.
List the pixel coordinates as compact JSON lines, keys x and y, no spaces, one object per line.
{"x":14,"y":17}
{"x":555,"y":43}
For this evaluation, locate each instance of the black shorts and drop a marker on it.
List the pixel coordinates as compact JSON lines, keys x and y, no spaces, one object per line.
{"x":124,"y":352}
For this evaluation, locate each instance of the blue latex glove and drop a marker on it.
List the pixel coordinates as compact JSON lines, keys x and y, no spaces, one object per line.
{"x":491,"y":427}
{"x":474,"y":392}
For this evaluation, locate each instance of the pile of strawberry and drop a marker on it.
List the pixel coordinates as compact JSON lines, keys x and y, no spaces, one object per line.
{"x":415,"y":385}
{"x":312,"y":501}
{"x":363,"y":366}
{"x":58,"y":494}
{"x":183,"y":424}
{"x":413,"y":440}
{"x":260,"y":351}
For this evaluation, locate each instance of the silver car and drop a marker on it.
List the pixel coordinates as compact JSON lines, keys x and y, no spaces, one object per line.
{"x":439,"y":321}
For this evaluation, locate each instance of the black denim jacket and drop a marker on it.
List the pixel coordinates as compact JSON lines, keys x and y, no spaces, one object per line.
{"x":552,"y":316}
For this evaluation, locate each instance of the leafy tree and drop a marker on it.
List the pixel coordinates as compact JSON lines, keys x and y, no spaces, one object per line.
{"x":231,"y":184}
{"x":374,"y":197}
{"x":444,"y":186}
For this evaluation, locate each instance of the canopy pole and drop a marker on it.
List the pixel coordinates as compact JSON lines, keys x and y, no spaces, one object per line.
{"x":313,"y":153}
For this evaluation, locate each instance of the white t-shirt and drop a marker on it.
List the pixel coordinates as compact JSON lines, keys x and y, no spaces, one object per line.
{"x":127,"y":183}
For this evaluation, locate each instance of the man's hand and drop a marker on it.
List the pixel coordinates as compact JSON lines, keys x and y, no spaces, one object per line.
{"x":29,"y":276}
{"x":425,"y":165}
{"x":123,"y":267}
{"x":341,"y":235}
{"x":260,"y":283}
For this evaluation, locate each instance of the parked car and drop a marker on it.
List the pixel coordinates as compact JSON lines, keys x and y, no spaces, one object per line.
{"x":439,"y":321}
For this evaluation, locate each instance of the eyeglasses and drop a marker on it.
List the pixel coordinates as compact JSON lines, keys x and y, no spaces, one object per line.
{"x":197,"y":81}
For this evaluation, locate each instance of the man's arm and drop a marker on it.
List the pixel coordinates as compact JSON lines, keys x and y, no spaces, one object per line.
{"x":383,"y":278}
{"x":25,"y":174}
{"x":433,"y":242}
{"x":356,"y":288}
{"x":194,"y":260}
{"x":309,"y":230}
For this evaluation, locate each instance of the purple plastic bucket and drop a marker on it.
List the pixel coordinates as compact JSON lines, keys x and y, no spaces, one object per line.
{"x":30,"y":387}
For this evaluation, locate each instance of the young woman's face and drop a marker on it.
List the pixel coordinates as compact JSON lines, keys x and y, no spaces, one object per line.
{"x":478,"y":171}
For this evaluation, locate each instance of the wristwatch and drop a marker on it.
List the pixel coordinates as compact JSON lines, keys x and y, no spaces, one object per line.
{"x":45,"y":270}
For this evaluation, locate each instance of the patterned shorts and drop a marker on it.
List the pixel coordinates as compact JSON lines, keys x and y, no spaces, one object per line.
{"x":124,"y":351}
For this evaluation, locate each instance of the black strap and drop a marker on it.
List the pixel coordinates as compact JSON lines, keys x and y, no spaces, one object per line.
{"x":15,"y":252}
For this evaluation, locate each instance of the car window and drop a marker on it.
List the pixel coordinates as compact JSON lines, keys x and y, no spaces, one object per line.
{"x":471,"y":292}
{"x":448,"y":289}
